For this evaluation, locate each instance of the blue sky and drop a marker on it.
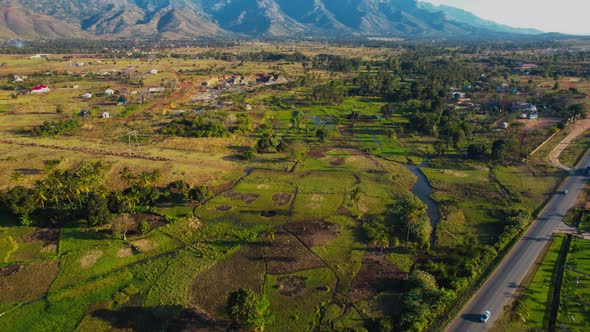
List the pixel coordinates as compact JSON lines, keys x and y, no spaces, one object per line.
{"x":567,"y":16}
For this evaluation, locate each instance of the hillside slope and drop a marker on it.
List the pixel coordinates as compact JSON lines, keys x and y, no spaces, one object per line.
{"x":196,"y":18}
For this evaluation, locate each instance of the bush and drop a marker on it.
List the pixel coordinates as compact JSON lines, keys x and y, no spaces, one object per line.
{"x":250,"y":153}
{"x":196,"y":127}
{"x":56,"y":128}
{"x":144,"y":227}
{"x":249,"y":309}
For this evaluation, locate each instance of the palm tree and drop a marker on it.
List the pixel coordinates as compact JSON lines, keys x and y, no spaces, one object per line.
{"x":517,"y":312}
{"x":40,"y":194}
{"x":16,"y":176}
{"x":271,"y":235}
{"x":127,"y":176}
{"x":54,"y":185}
{"x":155,"y":176}
{"x":382,"y":242}
{"x":356,"y":195}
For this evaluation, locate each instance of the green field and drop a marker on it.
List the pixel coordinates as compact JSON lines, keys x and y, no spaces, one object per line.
{"x":575,"y":292}
{"x":537,"y":294}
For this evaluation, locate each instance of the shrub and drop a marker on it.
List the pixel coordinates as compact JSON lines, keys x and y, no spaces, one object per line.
{"x":144,"y":227}
{"x":249,"y":309}
{"x":56,"y":128}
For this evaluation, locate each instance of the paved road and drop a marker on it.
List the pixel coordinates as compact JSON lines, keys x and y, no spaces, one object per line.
{"x":500,"y":287}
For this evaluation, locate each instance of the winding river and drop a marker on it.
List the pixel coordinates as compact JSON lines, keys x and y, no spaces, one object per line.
{"x":422,"y":190}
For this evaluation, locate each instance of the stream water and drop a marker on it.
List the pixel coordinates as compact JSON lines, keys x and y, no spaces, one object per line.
{"x":422,"y":190}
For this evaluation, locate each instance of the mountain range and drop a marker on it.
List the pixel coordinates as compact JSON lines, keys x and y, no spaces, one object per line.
{"x":179,"y":19}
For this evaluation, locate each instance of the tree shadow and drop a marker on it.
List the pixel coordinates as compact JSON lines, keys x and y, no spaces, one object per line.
{"x":162,"y":318}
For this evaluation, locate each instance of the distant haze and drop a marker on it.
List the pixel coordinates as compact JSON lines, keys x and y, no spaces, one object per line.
{"x":566,"y":16}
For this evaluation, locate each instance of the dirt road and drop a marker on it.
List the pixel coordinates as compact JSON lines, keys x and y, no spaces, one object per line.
{"x":578,"y":129}
{"x":178,"y":95}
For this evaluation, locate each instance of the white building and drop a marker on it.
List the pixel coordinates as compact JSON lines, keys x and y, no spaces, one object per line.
{"x":156,"y":90}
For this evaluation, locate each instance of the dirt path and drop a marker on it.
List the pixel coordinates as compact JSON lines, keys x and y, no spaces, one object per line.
{"x":102,"y":152}
{"x":179,"y":94}
{"x":578,"y":129}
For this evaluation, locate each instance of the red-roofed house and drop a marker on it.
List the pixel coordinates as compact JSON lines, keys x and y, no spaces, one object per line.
{"x":528,"y":66}
{"x":40,"y":89}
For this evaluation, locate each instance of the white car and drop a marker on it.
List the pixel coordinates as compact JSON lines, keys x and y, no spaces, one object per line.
{"x":485,"y":316}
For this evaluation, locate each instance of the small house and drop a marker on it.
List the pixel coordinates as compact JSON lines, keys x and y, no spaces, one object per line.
{"x":153,"y":72}
{"x":533,"y":116}
{"x":109,"y":92}
{"x":458,"y":95}
{"x":39,"y":56}
{"x":105,"y":115}
{"x":87,"y":95}
{"x":531,"y":108}
{"x":504,"y":125}
{"x":528,"y":67}
{"x":18,"y":79}
{"x":83,"y":113}
{"x":513,"y":91}
{"x":40,"y":89}
{"x":121,"y":101}
{"x":157,"y":90}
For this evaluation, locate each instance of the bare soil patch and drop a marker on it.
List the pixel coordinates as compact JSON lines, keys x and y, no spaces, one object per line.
{"x":344,"y":212}
{"x":47,"y":236}
{"x":10,"y":270}
{"x":313,"y":233}
{"x":282,"y":199}
{"x":291,"y":285}
{"x":194,"y":223}
{"x":244,"y":269}
{"x":246,"y":198}
{"x":376,"y":275}
{"x":317,"y":198}
{"x":286,"y":254}
{"x":124,"y":252}
{"x":533,"y":124}
{"x":144,"y":245}
{"x":223,"y":187}
{"x":319,"y":152}
{"x":223,"y":208}
{"x":52,"y":248}
{"x":25,"y":283}
{"x":338,"y":161}
{"x":90,"y":258}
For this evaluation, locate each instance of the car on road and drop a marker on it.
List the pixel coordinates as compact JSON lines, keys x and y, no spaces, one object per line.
{"x":564,"y":192}
{"x":485,"y":316}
